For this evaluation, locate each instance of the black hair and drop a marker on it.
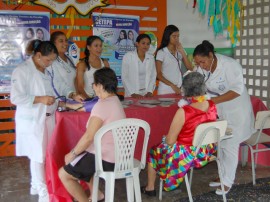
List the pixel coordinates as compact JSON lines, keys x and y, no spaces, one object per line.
{"x":204,"y":49}
{"x":44,"y":47}
{"x":55,"y":35}
{"x":89,"y":42}
{"x":143,"y":36}
{"x":193,"y":84}
{"x":166,"y":35}
{"x":107,"y":78}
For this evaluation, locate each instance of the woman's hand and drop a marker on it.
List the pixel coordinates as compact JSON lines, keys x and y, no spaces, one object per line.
{"x":176,"y":89}
{"x":69,"y":157}
{"x":79,"y":98}
{"x":46,"y":100}
{"x":137,"y":96}
{"x":180,"y":48}
{"x":148,"y":94}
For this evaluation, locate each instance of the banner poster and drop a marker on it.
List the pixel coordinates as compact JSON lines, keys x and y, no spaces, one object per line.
{"x":16,"y":30}
{"x":119,"y":33}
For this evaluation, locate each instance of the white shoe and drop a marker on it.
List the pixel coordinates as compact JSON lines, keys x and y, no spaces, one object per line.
{"x":43,"y":198}
{"x":43,"y":195}
{"x":219,"y":191}
{"x":214,"y":184}
{"x":33,"y":190}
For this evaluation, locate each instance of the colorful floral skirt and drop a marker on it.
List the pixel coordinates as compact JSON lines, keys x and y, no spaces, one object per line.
{"x":173,"y":162}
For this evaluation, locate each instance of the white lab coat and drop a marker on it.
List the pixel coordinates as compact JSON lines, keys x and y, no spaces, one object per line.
{"x":130,"y":73}
{"x":26,"y":83}
{"x":238,"y":112}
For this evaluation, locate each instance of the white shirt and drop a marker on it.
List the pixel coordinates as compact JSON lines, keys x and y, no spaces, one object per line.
{"x":171,"y":70}
{"x":131,"y":73}
{"x":65,"y":70}
{"x":89,"y":79}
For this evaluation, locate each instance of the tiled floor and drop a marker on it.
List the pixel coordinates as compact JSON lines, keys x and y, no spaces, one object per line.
{"x":14,"y":181}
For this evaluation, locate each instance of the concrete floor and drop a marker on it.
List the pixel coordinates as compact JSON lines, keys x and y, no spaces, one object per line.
{"x":14,"y":181}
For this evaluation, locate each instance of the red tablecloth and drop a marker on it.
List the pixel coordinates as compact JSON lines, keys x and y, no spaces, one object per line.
{"x":70,"y":126}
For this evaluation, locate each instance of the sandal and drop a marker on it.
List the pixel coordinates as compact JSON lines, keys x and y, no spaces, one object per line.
{"x":149,"y":193}
{"x":101,"y":200}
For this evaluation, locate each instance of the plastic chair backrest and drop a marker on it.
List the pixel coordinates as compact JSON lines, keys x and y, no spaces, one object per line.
{"x":207,"y":133}
{"x":262,"y":120}
{"x":125,"y":133}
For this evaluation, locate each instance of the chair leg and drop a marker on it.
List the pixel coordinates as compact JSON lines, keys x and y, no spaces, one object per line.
{"x":160,"y":189}
{"x":130,"y":189}
{"x":136,"y":181}
{"x":256,"y":155}
{"x":244,"y":155}
{"x":190,"y":176}
{"x":188,"y":189}
{"x":95,"y":189}
{"x":109,"y":188}
{"x":253,"y":166}
{"x":221,"y":181}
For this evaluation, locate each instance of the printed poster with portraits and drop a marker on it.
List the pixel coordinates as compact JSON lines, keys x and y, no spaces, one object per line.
{"x":119,"y":33}
{"x":16,"y":30}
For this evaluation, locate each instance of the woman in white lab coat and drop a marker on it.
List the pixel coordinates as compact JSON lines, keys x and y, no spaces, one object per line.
{"x":138,"y":70}
{"x":225,"y":85}
{"x":34,"y":96}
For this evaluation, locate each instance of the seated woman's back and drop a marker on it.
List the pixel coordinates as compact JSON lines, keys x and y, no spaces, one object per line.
{"x":195,"y":114}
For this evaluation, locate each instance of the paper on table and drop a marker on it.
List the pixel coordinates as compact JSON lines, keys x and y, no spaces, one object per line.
{"x":150,"y":102}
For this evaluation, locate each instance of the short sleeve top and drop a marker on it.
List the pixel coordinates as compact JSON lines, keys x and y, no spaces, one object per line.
{"x":193,"y":118}
{"x":171,"y":65}
{"x":108,"y":110}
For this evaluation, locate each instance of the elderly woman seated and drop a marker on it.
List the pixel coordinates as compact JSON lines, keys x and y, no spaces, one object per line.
{"x":172,"y":158}
{"x":80,"y":161}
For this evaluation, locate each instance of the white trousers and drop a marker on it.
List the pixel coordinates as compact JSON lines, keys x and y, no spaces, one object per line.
{"x":37,"y":175}
{"x":229,"y":160}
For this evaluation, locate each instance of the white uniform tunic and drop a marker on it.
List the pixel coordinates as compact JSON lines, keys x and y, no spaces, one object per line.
{"x":238,"y":112}
{"x":65,"y":70}
{"x":131,"y":69}
{"x":89,"y":79}
{"x":171,"y":70}
{"x":33,"y":128}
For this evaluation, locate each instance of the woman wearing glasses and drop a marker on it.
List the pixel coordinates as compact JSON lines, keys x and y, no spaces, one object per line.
{"x":225,"y":85}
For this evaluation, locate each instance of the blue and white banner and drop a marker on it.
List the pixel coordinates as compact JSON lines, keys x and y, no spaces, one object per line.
{"x":119,"y":33}
{"x":16,"y":30}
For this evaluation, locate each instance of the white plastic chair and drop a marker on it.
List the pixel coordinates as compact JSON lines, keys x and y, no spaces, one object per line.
{"x":205,"y":133}
{"x":125,"y":134}
{"x":262,"y":122}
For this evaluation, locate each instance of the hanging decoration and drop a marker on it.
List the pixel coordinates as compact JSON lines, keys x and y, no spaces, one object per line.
{"x":222,"y":14}
{"x":71,"y":6}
